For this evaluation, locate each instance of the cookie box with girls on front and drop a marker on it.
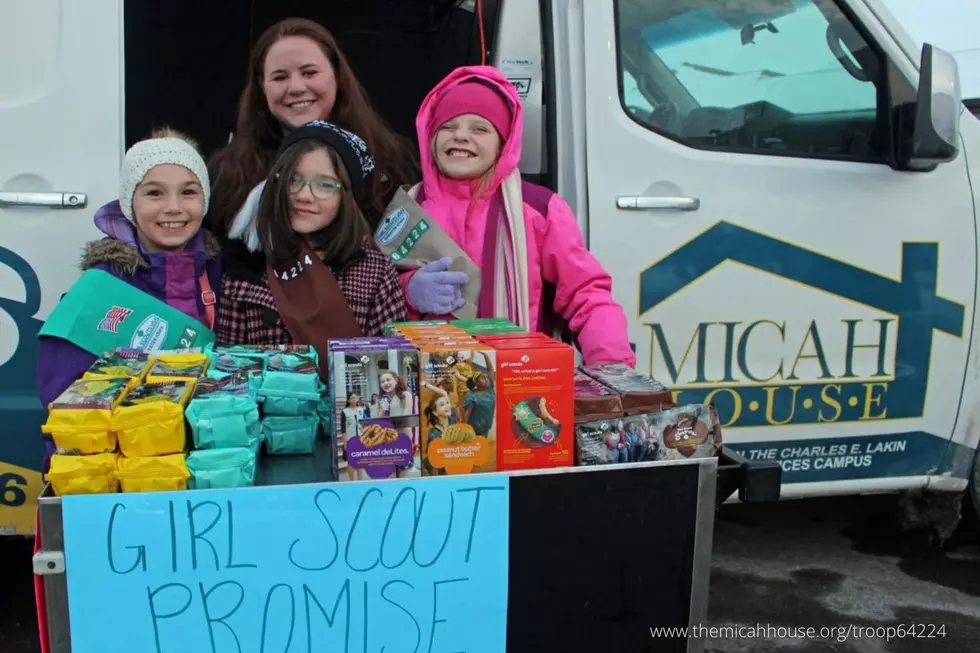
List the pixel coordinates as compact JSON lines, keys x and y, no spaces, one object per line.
{"x":373,"y":385}
{"x":459,"y":404}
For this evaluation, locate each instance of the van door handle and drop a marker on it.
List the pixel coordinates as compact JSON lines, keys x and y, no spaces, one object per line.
{"x":644,"y":203}
{"x":50,"y":200}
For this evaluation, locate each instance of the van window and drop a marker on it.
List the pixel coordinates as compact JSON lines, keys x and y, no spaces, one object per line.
{"x":790,"y":77}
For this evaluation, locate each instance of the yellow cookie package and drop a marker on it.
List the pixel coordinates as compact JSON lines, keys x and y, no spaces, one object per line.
{"x":95,"y":474}
{"x":153,"y":474}
{"x":129,"y":363}
{"x":177,"y":367}
{"x":149,"y":421}
{"x":80,"y":419}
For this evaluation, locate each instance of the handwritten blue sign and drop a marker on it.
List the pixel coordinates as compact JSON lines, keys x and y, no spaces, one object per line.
{"x":413,"y":566}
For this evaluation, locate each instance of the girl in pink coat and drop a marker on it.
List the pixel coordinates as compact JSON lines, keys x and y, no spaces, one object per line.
{"x":534,"y":266}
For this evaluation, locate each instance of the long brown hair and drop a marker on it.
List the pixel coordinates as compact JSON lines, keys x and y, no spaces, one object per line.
{"x":338,"y":243}
{"x":237,"y":168}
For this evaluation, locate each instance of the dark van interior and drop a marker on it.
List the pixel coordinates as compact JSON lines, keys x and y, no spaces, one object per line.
{"x":186,"y":59}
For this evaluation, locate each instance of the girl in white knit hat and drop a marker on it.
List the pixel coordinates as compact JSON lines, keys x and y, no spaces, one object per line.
{"x":153,"y":242}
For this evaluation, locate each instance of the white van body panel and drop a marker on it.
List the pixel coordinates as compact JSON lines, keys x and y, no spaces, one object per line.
{"x":61,"y":129}
{"x":789,"y":249}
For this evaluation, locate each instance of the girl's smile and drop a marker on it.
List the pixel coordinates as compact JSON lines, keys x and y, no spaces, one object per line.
{"x":310,"y":213}
{"x":466,"y":147}
{"x":387,"y":383}
{"x":443,"y":408}
{"x":167,"y":207}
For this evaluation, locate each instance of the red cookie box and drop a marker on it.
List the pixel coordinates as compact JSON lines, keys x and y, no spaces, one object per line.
{"x":535,"y":403}
{"x":536,"y":336}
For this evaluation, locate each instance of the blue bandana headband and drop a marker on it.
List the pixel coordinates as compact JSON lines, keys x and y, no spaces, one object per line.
{"x":352,"y":149}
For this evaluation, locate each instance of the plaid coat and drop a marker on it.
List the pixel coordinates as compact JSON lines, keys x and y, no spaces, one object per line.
{"x":247,"y":313}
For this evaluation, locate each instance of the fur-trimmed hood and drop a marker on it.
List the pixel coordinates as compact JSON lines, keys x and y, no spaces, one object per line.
{"x":120,"y":250}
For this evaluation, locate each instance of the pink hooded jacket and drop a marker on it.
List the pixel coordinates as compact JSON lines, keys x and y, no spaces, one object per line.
{"x":579,"y":289}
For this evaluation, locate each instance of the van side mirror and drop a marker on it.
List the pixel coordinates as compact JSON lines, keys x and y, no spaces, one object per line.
{"x":935,"y":134}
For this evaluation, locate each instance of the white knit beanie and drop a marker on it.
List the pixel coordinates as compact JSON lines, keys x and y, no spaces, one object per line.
{"x":158,"y":151}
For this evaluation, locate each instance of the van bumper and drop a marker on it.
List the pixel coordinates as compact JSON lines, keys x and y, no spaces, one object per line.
{"x":754,"y":480}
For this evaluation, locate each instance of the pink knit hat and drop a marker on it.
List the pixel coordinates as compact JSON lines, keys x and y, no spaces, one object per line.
{"x":473,"y":97}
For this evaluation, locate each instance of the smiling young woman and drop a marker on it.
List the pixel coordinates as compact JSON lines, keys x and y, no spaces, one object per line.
{"x":296,"y":74}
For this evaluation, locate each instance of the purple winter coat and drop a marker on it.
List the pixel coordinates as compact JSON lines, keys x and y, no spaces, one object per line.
{"x":169,"y":276}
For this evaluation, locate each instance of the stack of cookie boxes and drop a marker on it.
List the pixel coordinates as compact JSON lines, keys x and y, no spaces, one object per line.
{"x":493,"y":397}
{"x":122,"y":424}
{"x":546,"y":412}
{"x":623,"y":416}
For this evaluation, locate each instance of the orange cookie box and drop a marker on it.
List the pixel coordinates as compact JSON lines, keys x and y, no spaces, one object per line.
{"x":458,"y":406}
{"x":535,"y":402}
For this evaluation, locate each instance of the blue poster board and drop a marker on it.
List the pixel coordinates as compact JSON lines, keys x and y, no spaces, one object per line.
{"x":412,"y":565}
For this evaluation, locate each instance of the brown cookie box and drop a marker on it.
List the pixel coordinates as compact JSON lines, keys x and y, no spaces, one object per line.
{"x":690,"y":431}
{"x":639,"y":393}
{"x":590,"y":444}
{"x":594,"y":401}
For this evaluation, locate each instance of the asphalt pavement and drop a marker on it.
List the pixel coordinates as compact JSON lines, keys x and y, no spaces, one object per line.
{"x":840,"y":575}
{"x":802,"y":576}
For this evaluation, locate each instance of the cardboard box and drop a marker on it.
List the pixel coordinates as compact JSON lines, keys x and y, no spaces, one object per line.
{"x":458,"y":408}
{"x":412,"y":334}
{"x":489,"y":326}
{"x":536,"y":404}
{"x":392,"y":327}
{"x":444,"y":342}
{"x":491,"y":338}
{"x":374,"y":387}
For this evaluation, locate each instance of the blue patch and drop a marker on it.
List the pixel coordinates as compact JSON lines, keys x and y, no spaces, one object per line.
{"x":852,"y":458}
{"x":391,"y":225}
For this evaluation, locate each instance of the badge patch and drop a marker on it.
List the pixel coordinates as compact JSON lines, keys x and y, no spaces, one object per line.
{"x":150,"y":334}
{"x":113,"y":318}
{"x":391,"y":225}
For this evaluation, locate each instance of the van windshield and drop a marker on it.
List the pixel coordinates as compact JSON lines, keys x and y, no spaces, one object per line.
{"x":772,"y":57}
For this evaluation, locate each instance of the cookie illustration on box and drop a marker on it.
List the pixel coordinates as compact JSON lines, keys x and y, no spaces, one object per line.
{"x":380,"y":450}
{"x":686,"y":431}
{"x":533,"y":424}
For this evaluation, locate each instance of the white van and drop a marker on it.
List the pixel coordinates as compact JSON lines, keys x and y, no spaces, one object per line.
{"x":784,"y":201}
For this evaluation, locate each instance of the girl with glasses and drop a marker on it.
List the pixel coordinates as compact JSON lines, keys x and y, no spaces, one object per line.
{"x":300,"y":266}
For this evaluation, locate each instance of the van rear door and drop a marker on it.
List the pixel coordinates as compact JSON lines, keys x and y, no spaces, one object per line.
{"x":772,"y":261}
{"x":61,"y":129}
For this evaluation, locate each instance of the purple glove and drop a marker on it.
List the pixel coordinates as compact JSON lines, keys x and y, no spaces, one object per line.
{"x":433,"y":289}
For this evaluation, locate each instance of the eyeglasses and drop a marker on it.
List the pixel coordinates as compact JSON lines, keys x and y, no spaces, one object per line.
{"x":321,"y":187}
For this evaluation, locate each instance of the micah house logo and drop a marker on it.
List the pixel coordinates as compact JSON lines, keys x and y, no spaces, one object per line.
{"x":839,"y":343}
{"x":113,"y":318}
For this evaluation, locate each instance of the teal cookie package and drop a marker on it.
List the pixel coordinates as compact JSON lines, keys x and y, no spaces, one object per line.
{"x":290,"y":434}
{"x":276,"y":389}
{"x":290,"y":394}
{"x":224,"y":413}
{"x":225,"y":364}
{"x":221,"y":468}
{"x":291,"y":385}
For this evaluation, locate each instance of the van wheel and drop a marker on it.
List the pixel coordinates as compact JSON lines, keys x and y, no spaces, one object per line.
{"x":934,"y":514}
